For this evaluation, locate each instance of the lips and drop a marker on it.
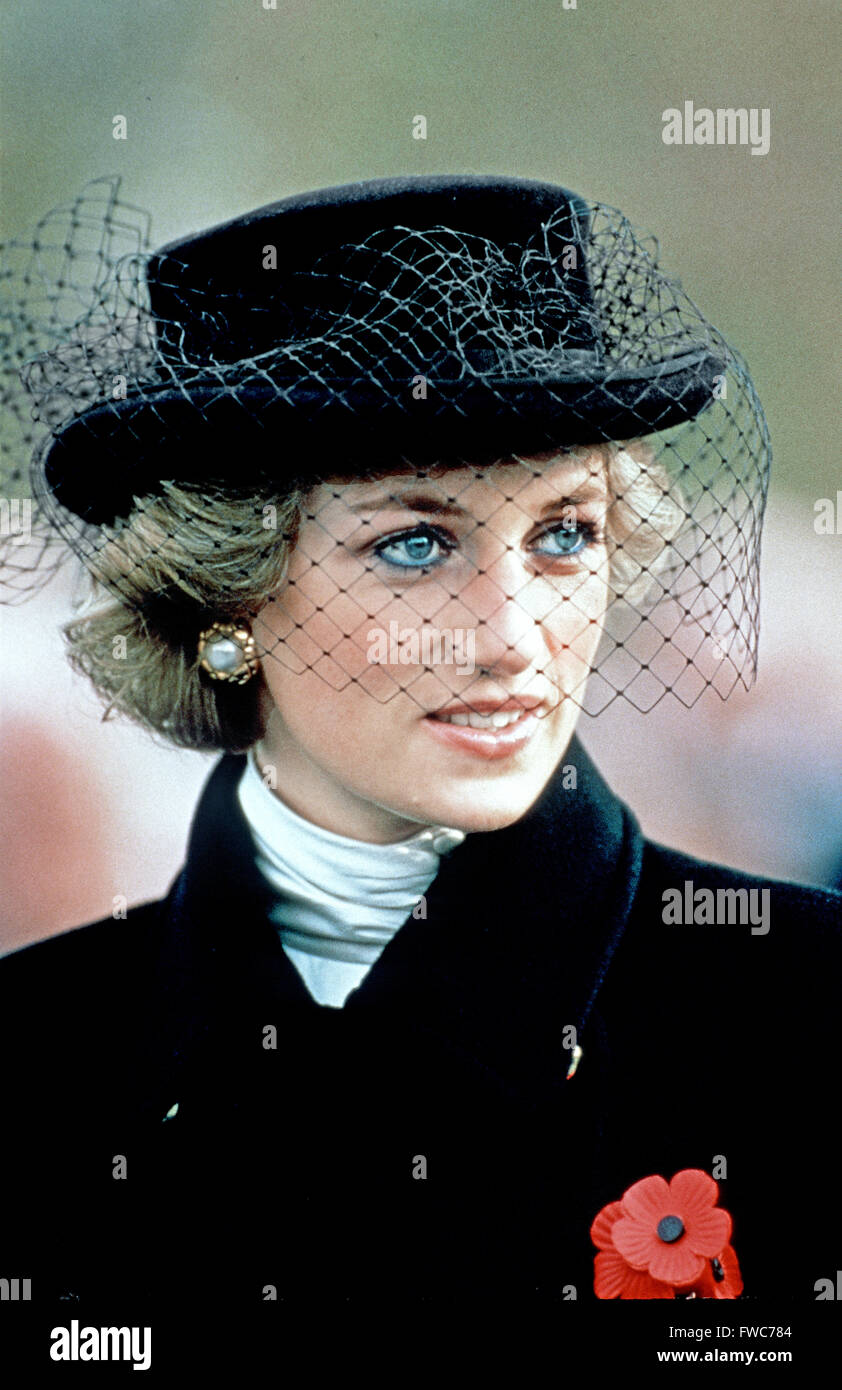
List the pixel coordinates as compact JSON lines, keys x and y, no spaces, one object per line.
{"x":499,"y":719}
{"x":486,"y":713}
{"x":486,"y":728}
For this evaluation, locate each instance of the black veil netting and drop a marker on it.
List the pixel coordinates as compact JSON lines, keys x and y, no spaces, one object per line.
{"x":395,"y":333}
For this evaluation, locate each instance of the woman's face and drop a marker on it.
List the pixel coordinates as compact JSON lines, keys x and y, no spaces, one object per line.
{"x":423,"y":655}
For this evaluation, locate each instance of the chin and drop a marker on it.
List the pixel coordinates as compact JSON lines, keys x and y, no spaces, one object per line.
{"x":485,"y":820}
{"x":481,"y":809}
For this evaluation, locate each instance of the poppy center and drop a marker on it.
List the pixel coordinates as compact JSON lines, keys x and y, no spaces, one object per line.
{"x":670,"y":1228}
{"x":718,"y":1271}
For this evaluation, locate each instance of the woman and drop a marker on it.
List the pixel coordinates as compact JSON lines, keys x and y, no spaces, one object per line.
{"x":373,"y":483}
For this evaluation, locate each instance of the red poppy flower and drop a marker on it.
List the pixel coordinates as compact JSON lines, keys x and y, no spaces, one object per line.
{"x":670,"y":1230}
{"x":613,"y":1278}
{"x":721,"y":1277}
{"x":664,"y":1240}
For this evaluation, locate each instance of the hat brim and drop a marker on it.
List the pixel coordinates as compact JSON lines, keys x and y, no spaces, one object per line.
{"x":288,"y":428}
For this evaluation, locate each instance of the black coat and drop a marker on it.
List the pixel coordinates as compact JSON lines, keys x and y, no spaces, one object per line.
{"x":298,"y":1166}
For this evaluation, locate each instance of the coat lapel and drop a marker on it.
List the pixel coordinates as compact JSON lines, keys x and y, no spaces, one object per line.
{"x":521,"y":926}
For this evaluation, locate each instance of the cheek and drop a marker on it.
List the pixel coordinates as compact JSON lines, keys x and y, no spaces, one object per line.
{"x":312,"y":628}
{"x":318,"y":672}
{"x":348,"y":640}
{"x":337,"y":729}
{"x":573,"y":624}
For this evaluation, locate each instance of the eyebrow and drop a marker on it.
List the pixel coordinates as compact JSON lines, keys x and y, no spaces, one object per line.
{"x":427,"y":505}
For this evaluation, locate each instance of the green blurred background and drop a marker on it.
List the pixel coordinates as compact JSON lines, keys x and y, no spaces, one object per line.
{"x":230,"y":105}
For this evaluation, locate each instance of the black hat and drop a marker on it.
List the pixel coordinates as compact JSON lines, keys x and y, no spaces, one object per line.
{"x":439,"y":316}
{"x":445,"y":319}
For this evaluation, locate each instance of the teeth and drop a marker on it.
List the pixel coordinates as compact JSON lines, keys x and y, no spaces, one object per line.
{"x":483,"y":721}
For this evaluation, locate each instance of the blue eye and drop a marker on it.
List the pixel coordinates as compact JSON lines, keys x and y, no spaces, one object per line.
{"x":564,"y":540}
{"x":414,"y":549}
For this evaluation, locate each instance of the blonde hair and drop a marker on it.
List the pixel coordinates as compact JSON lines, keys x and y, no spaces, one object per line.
{"x":644,"y":517}
{"x":189,"y":557}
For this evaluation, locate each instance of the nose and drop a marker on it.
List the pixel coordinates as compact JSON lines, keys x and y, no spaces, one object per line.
{"x":508,"y":639}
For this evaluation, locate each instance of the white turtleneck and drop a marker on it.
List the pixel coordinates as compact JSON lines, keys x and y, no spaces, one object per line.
{"x":339,"y":901}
